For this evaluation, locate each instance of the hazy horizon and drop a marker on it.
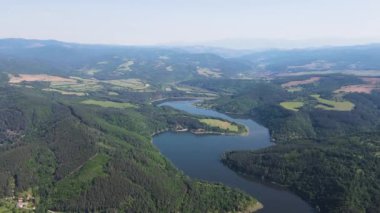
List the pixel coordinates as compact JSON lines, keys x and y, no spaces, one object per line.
{"x":240,"y":24}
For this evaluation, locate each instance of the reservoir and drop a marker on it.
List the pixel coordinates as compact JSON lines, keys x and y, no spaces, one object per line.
{"x":198,"y":156}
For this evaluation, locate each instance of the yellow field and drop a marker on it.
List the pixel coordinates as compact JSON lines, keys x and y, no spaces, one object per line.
{"x":79,"y":85}
{"x":65,"y":92}
{"x":333,"y":105}
{"x":292,"y":105}
{"x":225,"y":125}
{"x":294,"y":89}
{"x":15,"y":79}
{"x":132,"y":83}
{"x":298,"y":83}
{"x":109,"y":104}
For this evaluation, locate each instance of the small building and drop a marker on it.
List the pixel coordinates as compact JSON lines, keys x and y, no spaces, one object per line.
{"x":20,"y":202}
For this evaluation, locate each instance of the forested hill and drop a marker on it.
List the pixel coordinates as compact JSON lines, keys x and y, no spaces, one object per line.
{"x":66,"y":153}
{"x":328,"y":138}
{"x":343,"y":59}
{"x":110,"y":62}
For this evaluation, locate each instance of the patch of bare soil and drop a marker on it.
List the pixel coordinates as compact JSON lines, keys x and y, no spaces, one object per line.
{"x":15,"y":79}
{"x":372,"y":84}
{"x":361,"y":88}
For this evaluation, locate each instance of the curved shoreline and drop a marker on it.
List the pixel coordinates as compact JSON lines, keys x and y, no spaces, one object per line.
{"x":207,"y":165}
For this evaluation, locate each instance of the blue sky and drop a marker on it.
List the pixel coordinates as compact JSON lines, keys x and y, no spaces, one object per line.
{"x":145,"y":22}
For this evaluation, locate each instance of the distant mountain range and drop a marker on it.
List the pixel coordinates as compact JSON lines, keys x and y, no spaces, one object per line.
{"x":174,"y":63}
{"x":284,"y":44}
{"x":113,"y":62}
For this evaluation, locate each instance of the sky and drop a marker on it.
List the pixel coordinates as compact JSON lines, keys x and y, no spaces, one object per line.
{"x":151,"y":22}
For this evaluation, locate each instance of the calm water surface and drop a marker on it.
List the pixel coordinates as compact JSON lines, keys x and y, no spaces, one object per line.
{"x":199,"y":157}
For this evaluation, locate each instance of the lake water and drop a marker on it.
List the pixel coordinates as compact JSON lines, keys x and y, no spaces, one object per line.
{"x":198,"y":156}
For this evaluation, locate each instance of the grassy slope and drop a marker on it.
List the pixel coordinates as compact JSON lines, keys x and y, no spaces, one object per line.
{"x":109,"y":104}
{"x":333,"y":105}
{"x":225,"y":125}
{"x":292,"y":105}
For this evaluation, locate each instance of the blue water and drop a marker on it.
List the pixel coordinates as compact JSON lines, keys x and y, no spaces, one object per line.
{"x":199,"y":157}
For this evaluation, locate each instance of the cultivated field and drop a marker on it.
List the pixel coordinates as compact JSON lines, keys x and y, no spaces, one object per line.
{"x":333,"y":105}
{"x":109,"y":104}
{"x":225,"y":125}
{"x":80,"y":85}
{"x":371,"y":80}
{"x":292,"y":105}
{"x":64,"y":92}
{"x":360,"y":88}
{"x":15,"y":79}
{"x":133,"y":83}
{"x":371,"y":84}
{"x":373,"y":73}
{"x":298,"y":83}
{"x":294,"y":89}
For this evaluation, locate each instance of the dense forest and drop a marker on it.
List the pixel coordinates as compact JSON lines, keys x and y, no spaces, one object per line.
{"x":69,"y":156}
{"x":77,"y":121}
{"x":328,"y":157}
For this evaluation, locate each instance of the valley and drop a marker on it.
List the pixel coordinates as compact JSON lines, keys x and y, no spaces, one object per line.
{"x":76,"y":130}
{"x":199,"y":157}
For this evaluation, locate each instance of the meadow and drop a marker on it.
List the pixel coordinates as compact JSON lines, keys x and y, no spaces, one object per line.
{"x":333,"y":105}
{"x":292,"y":105}
{"x":225,"y":125}
{"x":109,"y":104}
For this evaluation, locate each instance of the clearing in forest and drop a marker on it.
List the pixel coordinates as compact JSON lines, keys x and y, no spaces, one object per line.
{"x":16,"y":79}
{"x":73,"y":184}
{"x":225,"y":125}
{"x":131,"y":83}
{"x":64,"y":92}
{"x":333,"y":105}
{"x":303,"y":82}
{"x":371,"y":84}
{"x":109,"y":104}
{"x":292,"y":105}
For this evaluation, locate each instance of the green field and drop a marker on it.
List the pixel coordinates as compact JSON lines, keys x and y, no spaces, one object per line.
{"x":292,"y":105}
{"x":333,"y":105}
{"x":113,"y":93}
{"x":64,"y":92}
{"x":225,"y":125}
{"x":294,"y":89}
{"x":109,"y":104}
{"x":134,"y":84}
{"x":81,"y":85}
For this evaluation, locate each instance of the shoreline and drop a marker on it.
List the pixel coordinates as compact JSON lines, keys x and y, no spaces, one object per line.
{"x":256,"y":207}
{"x":200,"y":133}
